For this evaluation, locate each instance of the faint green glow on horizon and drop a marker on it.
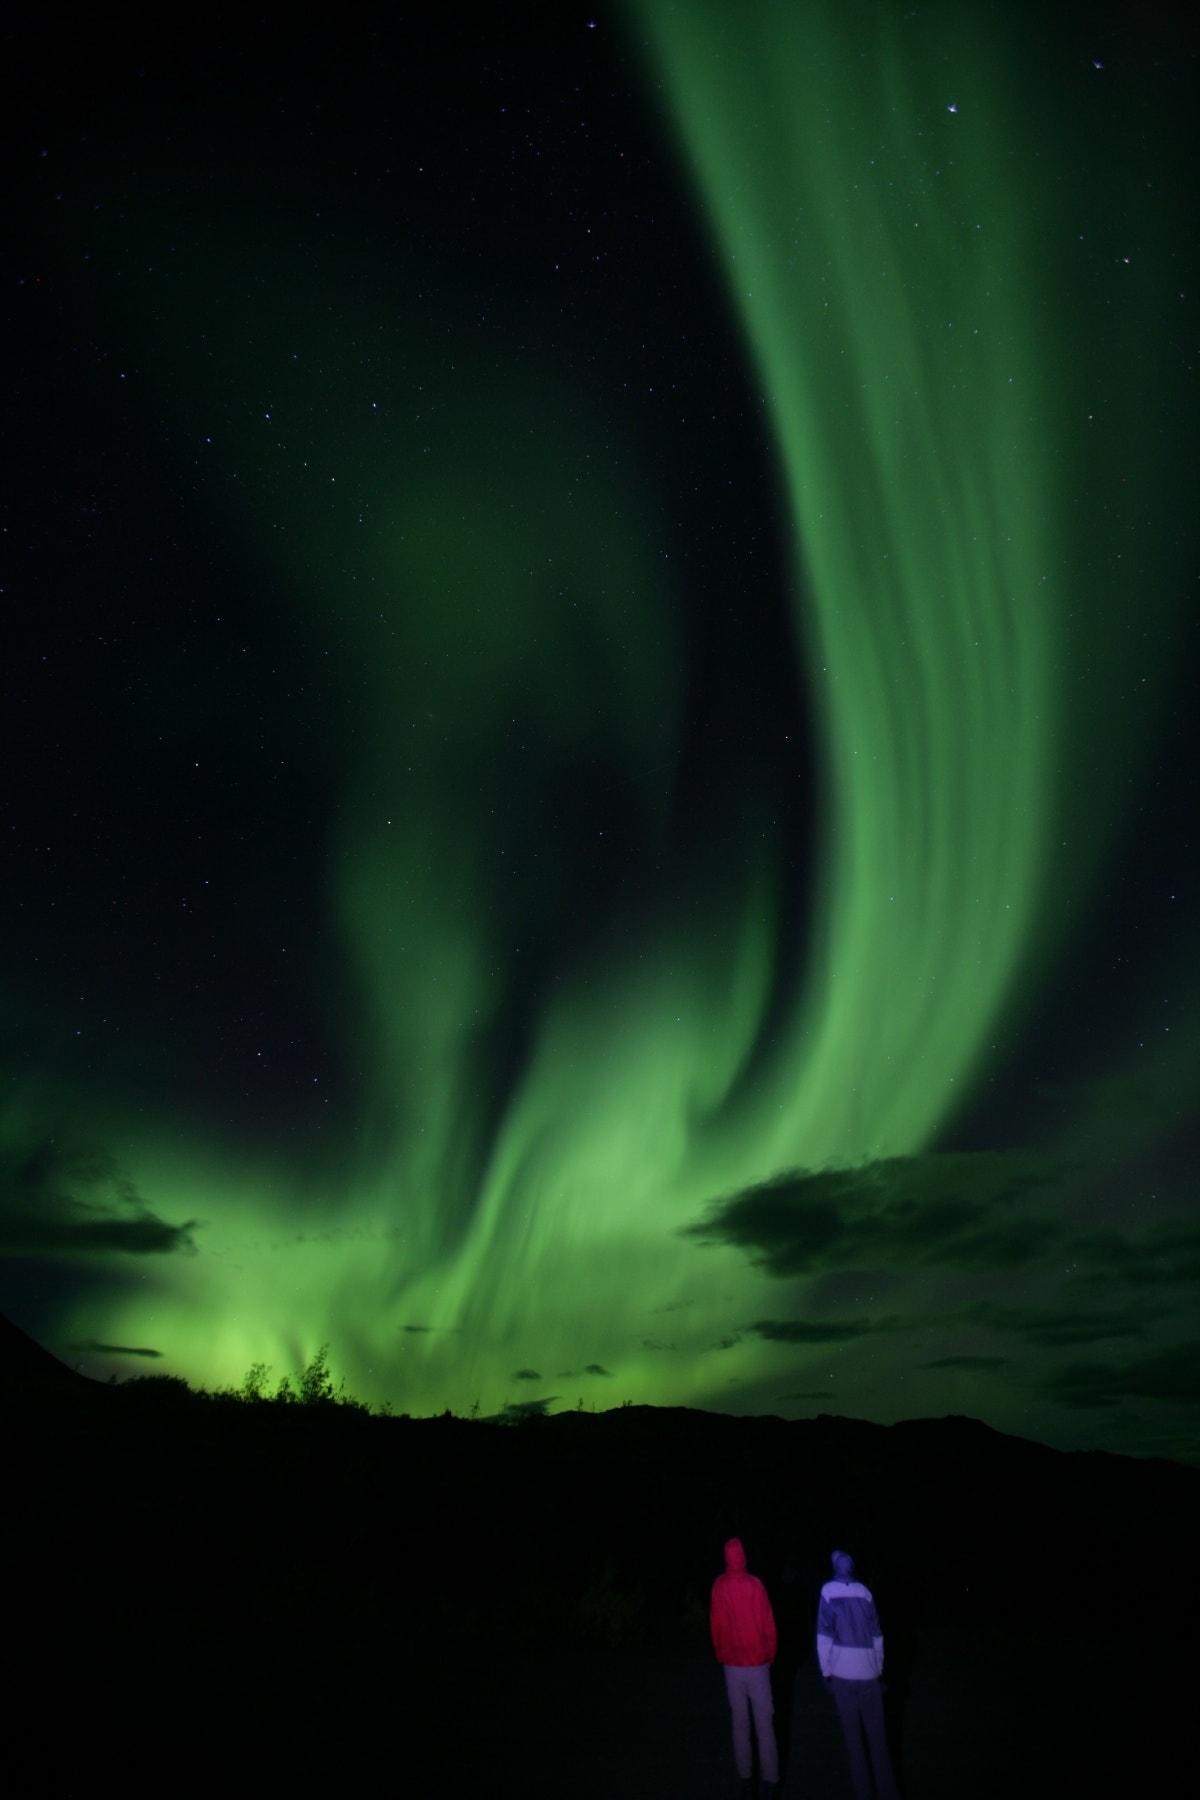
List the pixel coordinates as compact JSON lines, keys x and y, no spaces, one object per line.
{"x":878,"y":251}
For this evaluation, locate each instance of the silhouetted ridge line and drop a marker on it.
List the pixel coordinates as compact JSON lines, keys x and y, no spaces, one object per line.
{"x":23,"y":1361}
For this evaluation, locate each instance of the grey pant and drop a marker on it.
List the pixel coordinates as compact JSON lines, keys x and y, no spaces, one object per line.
{"x":860,"y":1706}
{"x":749,"y":1692}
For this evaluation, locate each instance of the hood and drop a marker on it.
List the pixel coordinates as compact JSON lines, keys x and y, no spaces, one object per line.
{"x":735,"y":1556}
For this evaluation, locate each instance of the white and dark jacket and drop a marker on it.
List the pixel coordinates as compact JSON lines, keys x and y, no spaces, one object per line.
{"x":849,"y":1641}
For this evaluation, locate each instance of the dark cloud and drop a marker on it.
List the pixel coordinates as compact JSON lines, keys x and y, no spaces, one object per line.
{"x":598,"y":1369}
{"x":1160,"y":1257}
{"x":1142,"y":1101}
{"x":810,"y":1331}
{"x":968,"y":1362}
{"x":78,"y":1201}
{"x":979,"y":1212}
{"x":517,"y":1411}
{"x":842,"y":1290}
{"x":656,"y":1344}
{"x":114,"y":1349}
{"x":1172,"y":1375}
{"x":418,"y":1330}
{"x":1053,"y":1330}
{"x":526,"y":1375}
{"x":967,"y":1210}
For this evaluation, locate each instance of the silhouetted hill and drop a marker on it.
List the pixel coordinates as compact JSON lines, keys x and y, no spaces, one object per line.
{"x":606,"y":1521}
{"x":24,"y":1364}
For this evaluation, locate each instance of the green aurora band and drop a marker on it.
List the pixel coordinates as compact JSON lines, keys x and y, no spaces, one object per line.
{"x":905,"y":290}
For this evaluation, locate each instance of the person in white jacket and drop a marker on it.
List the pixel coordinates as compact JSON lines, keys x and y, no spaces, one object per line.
{"x":850,"y":1652}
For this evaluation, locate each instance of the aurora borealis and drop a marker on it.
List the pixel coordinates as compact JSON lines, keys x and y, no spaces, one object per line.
{"x":597,"y":757}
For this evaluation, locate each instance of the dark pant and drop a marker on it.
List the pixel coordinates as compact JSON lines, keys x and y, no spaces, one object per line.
{"x":750,"y":1692}
{"x":860,"y":1705}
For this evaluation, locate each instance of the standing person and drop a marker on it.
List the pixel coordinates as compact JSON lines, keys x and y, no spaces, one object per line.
{"x":850,"y":1651}
{"x":743,"y":1635}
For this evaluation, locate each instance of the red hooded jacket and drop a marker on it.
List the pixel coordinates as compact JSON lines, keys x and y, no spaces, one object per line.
{"x":743,"y":1625}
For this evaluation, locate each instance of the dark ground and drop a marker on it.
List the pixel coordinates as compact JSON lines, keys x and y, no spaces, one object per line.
{"x":206,"y":1595}
{"x":987,"y":1713}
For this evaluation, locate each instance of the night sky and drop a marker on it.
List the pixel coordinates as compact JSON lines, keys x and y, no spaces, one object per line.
{"x":599,"y":739}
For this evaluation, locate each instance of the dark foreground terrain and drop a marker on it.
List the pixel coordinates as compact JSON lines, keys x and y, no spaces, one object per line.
{"x":288,"y":1599}
{"x":987,"y":1713}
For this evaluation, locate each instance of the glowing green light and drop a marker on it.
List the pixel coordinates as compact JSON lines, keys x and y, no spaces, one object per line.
{"x":509,"y":624}
{"x":874,"y":247}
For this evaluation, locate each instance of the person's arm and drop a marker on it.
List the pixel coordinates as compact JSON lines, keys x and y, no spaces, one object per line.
{"x":770,"y":1639}
{"x":715,"y":1619}
{"x":876,"y":1639}
{"x":826,"y":1631}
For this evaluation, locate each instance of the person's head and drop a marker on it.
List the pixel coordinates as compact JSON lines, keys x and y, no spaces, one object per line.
{"x":735,"y":1556}
{"x":843,"y":1565}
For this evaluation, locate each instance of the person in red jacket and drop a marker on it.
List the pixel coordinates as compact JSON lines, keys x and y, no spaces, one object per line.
{"x":743,"y":1635}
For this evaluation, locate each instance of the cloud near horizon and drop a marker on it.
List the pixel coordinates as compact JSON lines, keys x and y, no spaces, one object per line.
{"x":518,"y":1410}
{"x":971,"y":1211}
{"x":968,"y":1363}
{"x":77,"y":1200}
{"x":1057,"y":1330}
{"x":1171,"y":1375}
{"x":819,"y":1331}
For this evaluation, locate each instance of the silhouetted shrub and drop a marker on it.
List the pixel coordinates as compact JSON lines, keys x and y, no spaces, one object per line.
{"x":610,"y":1611}
{"x":254,"y":1382}
{"x":315,"y":1383}
{"x":157,"y":1390}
